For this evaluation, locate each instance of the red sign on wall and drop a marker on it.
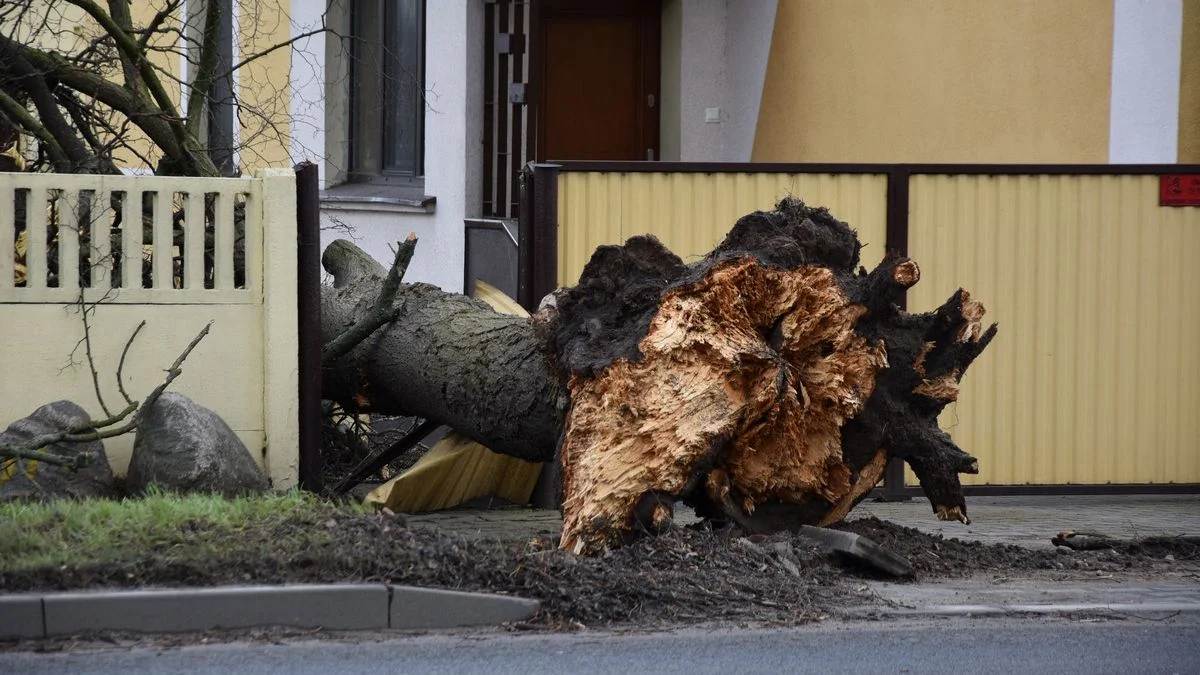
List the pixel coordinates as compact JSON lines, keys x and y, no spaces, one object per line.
{"x":1179,"y":190}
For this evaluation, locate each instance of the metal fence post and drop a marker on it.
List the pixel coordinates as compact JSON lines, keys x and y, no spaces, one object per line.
{"x":308,"y":284}
{"x":537,"y":234}
{"x":897,"y":241}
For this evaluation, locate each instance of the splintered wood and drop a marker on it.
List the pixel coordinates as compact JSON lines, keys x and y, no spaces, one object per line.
{"x":745,"y":381}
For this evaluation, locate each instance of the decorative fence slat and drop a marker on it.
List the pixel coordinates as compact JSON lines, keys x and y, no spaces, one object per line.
{"x":35,"y":238}
{"x":193,"y":241}
{"x":68,"y":238}
{"x":223,"y":240}
{"x":252,"y":232}
{"x":8,"y":235}
{"x":164,"y":256}
{"x":99,"y":229}
{"x":131,"y":240}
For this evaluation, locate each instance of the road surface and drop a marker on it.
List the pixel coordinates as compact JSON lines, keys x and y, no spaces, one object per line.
{"x":953,"y":645}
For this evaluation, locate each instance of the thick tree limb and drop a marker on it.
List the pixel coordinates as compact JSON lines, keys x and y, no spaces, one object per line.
{"x":17,"y":113}
{"x":198,"y":96}
{"x":382,"y":312}
{"x":445,"y":357}
{"x":139,"y":110}
{"x":23,"y":75}
{"x":129,"y":49}
{"x":119,"y":10}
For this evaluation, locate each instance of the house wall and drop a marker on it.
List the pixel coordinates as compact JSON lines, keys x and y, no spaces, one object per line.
{"x":453,"y":147}
{"x":714,"y":55}
{"x":264,"y":136}
{"x":938,"y":81}
{"x":1189,"y":84}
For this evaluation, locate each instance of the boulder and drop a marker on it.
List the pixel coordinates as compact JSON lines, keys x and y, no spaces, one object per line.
{"x":30,"y":479}
{"x":184,"y":447}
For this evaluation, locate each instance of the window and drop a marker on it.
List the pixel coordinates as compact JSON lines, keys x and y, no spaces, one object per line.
{"x":387,"y":85}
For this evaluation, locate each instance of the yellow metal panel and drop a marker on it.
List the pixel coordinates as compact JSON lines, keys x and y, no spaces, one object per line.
{"x":1090,"y":379}
{"x":692,"y":212}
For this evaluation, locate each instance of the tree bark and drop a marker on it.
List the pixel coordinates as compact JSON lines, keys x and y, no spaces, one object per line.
{"x":445,"y":357}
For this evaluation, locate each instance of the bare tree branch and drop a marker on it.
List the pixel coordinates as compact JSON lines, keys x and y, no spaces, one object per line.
{"x":94,"y":430}
{"x":18,"y":114}
{"x":121,"y":365}
{"x":193,"y":157}
{"x":254,"y":57}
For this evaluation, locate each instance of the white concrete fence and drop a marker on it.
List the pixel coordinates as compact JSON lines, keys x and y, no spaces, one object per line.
{"x":67,"y":245}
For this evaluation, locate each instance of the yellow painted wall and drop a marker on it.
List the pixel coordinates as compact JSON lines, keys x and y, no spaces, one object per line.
{"x":1189,"y":85}
{"x":692,"y":212}
{"x":1093,"y":376}
{"x":263,"y":85}
{"x":937,"y":81}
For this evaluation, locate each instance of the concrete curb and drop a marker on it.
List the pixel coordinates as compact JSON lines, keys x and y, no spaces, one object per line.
{"x":1021,"y":609}
{"x":331,"y":606}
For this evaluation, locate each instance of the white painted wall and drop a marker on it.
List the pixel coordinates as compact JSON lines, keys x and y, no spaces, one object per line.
{"x":749,"y":27}
{"x":702,"y":76}
{"x":715,"y":56}
{"x":453,"y":144}
{"x":1144,"y":118}
{"x":307,"y":106}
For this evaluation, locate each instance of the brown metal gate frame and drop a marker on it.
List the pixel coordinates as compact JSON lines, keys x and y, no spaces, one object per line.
{"x":538,"y":256}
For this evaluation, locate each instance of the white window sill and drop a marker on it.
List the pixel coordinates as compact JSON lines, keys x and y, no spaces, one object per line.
{"x":377,"y":198}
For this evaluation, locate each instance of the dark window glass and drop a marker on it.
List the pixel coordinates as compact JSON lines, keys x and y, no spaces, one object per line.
{"x":387,"y":90}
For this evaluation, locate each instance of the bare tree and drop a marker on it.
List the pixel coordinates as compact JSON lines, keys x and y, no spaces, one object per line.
{"x":96,"y":87}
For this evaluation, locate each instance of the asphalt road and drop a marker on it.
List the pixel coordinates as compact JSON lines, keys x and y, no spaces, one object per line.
{"x":957,"y":646}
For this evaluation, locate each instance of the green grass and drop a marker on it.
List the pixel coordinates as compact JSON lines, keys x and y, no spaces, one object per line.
{"x":96,"y":531}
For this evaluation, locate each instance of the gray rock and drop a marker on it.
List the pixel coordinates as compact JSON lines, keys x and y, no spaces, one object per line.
{"x":31,"y":479}
{"x":185,"y":447}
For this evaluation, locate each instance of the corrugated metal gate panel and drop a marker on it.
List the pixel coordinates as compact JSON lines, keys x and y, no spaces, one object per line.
{"x":692,"y":212}
{"x":1093,"y":378}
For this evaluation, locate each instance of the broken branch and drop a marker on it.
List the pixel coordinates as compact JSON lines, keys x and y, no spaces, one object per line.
{"x":381,"y":313}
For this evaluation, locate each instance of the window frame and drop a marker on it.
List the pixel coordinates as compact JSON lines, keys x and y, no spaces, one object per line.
{"x":373,"y":57}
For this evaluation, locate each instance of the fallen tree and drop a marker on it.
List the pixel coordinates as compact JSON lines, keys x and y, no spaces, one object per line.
{"x":767,"y":384}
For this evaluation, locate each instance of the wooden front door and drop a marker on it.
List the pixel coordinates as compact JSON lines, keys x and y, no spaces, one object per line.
{"x":599,"y":79}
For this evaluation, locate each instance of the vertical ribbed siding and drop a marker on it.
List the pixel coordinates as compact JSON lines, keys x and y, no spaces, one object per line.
{"x":692,"y":212}
{"x":1092,"y":378}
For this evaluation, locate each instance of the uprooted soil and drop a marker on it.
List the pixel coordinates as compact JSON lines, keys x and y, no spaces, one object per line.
{"x":688,"y":575}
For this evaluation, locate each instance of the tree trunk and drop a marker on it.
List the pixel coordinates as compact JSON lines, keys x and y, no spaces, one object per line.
{"x":767,"y":384}
{"x":445,"y":357}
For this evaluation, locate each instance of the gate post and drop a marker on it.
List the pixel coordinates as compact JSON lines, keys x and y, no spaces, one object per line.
{"x":897,"y":241}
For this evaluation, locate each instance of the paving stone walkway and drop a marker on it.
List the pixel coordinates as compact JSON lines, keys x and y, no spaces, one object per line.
{"x":1025,"y":520}
{"x":1032,"y":520}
